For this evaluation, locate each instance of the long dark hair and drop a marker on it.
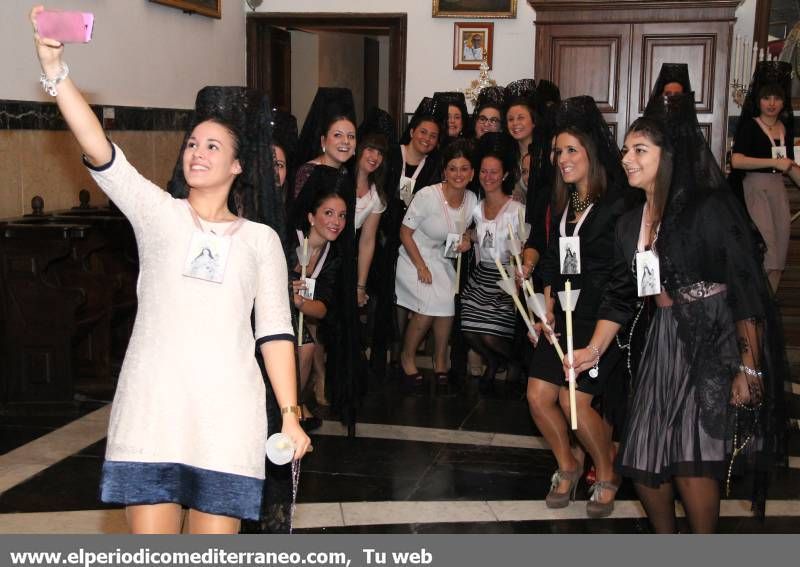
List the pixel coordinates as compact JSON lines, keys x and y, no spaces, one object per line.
{"x":598,"y":181}
{"x":376,"y":141}
{"x":654,"y":132}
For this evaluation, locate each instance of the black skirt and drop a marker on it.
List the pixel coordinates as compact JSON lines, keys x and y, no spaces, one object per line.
{"x":680,"y":422}
{"x":545,"y":364}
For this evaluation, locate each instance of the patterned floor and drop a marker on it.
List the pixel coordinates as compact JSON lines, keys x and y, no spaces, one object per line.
{"x":432,"y":462}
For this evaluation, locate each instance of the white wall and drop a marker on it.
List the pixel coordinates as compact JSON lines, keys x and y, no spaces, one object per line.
{"x":429,"y":54}
{"x":142,"y":54}
{"x":305,"y":72}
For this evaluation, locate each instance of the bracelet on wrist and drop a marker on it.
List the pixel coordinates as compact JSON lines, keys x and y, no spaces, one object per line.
{"x":359,"y":286}
{"x":594,"y":371}
{"x":751,"y":371}
{"x":49,"y":85}
{"x":292,"y":409}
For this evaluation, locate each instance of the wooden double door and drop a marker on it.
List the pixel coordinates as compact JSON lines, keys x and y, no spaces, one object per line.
{"x":617,"y":62}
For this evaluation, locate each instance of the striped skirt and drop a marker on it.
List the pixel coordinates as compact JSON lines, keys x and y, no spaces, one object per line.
{"x":485,"y":308}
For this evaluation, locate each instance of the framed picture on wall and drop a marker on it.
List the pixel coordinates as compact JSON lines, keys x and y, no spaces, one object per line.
{"x":210,"y":8}
{"x":472,"y":42}
{"x":474,"y":8}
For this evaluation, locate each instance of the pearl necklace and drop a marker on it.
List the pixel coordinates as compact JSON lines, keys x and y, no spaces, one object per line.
{"x":578,"y":205}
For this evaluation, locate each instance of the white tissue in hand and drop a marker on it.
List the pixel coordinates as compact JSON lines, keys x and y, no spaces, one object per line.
{"x":280,"y":449}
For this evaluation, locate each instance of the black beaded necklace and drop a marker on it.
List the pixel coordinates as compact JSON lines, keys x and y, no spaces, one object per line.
{"x":579,"y":205}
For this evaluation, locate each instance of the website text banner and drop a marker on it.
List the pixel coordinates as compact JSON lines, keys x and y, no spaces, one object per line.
{"x":394,"y":550}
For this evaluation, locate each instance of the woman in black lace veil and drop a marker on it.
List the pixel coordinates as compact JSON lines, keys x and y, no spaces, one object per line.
{"x":762,"y":154}
{"x":542,"y":172}
{"x":672,"y":79}
{"x":458,"y":119}
{"x":412,"y":164}
{"x":709,"y":387}
{"x":521,"y":121}
{"x":590,"y":194}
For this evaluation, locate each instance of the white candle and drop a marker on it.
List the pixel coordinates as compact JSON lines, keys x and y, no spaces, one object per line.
{"x":500,"y":267}
{"x":745,"y":62}
{"x":573,"y":412}
{"x":303,"y":264}
{"x":737,"y":59}
{"x":515,"y":297}
{"x":753,"y":60}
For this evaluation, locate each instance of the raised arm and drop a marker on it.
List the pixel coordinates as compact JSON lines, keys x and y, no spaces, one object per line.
{"x":79,"y":117}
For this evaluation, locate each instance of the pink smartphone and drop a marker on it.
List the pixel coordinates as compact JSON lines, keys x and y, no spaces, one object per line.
{"x":66,"y":27}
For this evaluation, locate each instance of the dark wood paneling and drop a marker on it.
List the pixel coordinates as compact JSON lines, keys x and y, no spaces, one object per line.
{"x":614,"y":51}
{"x":705,"y":48}
{"x":697,"y":51}
{"x":371,"y":73}
{"x":280,"y":73}
{"x":588,"y":60}
{"x":629,"y":11}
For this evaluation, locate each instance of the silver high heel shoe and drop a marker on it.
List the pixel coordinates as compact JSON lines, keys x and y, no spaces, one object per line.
{"x":597,"y":509}
{"x":562,"y":499}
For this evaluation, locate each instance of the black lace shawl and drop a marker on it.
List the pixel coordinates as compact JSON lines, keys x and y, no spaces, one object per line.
{"x":777,"y":73}
{"x":706,"y":236}
{"x":345,"y":375}
{"x":253,"y":194}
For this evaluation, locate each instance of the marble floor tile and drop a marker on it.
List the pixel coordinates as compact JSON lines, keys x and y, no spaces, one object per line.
{"x":335,"y":487}
{"x":318,"y":515}
{"x":63,"y":442}
{"x":71,"y":484}
{"x":371,"y":513}
{"x":433,"y":435}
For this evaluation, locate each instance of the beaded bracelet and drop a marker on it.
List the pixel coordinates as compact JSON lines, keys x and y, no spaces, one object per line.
{"x":49,"y":85}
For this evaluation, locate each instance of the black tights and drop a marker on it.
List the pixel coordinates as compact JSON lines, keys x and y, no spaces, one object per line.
{"x":490,"y":347}
{"x":700,"y":497}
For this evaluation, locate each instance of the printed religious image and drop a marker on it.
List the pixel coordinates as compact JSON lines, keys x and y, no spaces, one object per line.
{"x":472,"y":44}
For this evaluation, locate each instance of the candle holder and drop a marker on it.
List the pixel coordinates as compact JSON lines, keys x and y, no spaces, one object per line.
{"x":738,"y":93}
{"x":568,"y":299}
{"x":483,"y":81}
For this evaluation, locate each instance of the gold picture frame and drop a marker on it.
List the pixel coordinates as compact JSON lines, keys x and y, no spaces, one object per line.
{"x":472,"y":41}
{"x":474,"y":8}
{"x":210,"y":8}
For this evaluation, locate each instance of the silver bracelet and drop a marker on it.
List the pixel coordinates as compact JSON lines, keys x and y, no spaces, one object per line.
{"x":751,"y":371}
{"x":595,"y":370}
{"x":49,"y":85}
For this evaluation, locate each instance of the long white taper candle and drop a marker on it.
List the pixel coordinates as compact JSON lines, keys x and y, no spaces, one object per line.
{"x":573,"y":409}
